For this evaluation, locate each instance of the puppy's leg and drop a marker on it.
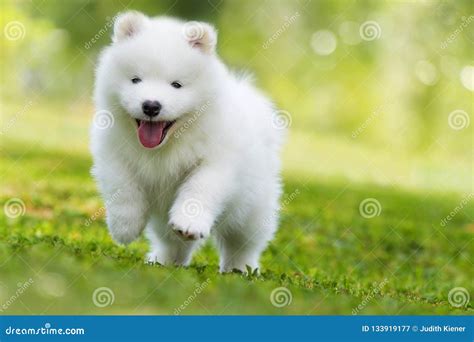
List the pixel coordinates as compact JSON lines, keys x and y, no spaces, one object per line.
{"x":241,"y":245}
{"x":126,"y":214}
{"x":166,"y":248}
{"x":235,"y":254}
{"x":125,"y":203}
{"x":200,"y":200}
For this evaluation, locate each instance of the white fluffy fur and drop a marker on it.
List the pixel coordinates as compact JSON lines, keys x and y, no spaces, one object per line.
{"x":217,"y":171}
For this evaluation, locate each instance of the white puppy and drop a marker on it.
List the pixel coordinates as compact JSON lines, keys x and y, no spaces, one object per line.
{"x":189,"y":149}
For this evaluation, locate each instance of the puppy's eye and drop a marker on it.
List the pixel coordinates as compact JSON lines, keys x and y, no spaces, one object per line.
{"x":176,"y":85}
{"x":136,"y":80}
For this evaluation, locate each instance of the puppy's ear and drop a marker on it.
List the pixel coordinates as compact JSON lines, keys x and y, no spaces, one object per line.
{"x":128,"y":24}
{"x":201,"y":36}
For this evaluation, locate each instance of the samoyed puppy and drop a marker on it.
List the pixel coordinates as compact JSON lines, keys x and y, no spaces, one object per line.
{"x":182,"y":148}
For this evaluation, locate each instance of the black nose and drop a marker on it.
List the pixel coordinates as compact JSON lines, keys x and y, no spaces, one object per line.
{"x":151,"y":108}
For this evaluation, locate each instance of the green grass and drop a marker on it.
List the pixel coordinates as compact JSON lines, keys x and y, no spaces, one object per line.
{"x":329,"y":257}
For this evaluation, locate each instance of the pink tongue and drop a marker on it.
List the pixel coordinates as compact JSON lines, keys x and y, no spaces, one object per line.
{"x":150,"y":133}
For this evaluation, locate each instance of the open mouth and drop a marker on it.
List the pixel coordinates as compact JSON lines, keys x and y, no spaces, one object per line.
{"x":152,"y":133}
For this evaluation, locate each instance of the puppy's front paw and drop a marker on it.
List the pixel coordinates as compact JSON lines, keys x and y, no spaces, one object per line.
{"x":123,"y":237}
{"x":125,"y":230}
{"x":189,"y":229}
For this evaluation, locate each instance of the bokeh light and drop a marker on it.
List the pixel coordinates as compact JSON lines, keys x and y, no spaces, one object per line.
{"x":324,"y":42}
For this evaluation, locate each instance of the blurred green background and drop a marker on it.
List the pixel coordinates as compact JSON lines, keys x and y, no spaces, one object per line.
{"x":380,"y":99}
{"x":354,"y":103}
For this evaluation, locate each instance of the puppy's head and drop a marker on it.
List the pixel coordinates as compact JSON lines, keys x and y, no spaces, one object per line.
{"x":158,"y":70}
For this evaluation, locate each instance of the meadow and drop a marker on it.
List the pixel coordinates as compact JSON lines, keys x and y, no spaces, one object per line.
{"x":331,"y":257}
